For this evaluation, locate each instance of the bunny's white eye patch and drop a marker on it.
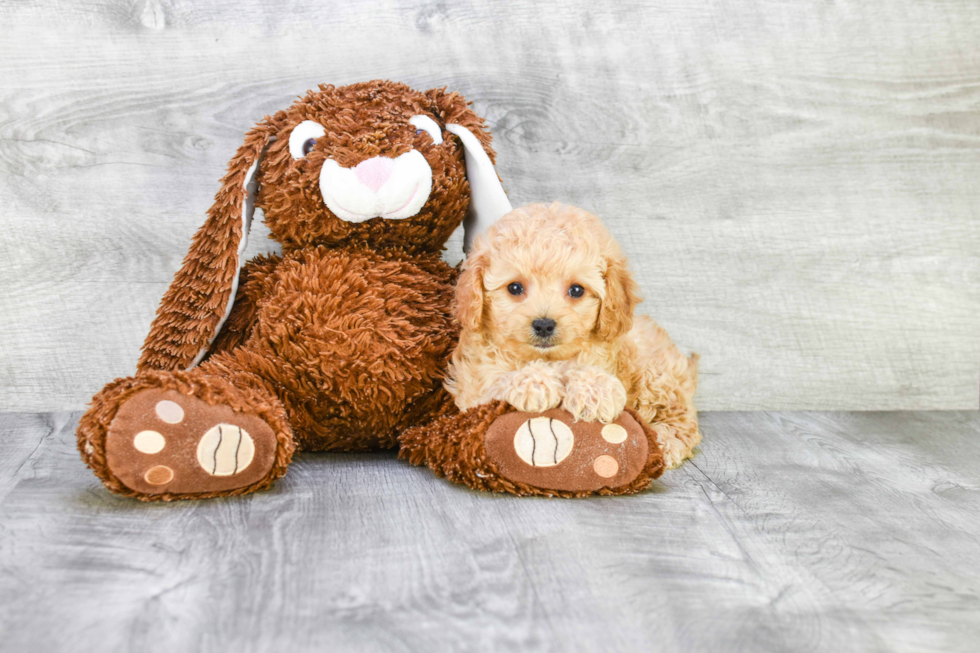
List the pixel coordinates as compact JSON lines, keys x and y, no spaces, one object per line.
{"x":428,"y":125}
{"x":303,"y":138}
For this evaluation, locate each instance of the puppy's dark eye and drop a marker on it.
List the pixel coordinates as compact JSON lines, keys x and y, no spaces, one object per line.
{"x":308,"y":146}
{"x":515,"y":289}
{"x":576,"y":291}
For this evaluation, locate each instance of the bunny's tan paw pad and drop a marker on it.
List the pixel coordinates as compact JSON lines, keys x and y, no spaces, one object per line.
{"x":164,"y":442}
{"x":551,"y":451}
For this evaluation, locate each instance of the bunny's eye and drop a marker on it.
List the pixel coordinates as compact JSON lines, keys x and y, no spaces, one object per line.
{"x":303,"y":138}
{"x":427,"y":125}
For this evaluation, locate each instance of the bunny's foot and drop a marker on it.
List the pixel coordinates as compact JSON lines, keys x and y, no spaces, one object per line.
{"x":495,"y":448}
{"x":180,"y":437}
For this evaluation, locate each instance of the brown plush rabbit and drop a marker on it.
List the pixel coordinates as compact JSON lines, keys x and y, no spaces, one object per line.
{"x":340,"y":342}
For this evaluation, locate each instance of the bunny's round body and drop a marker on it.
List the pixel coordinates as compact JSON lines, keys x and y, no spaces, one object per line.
{"x":338,"y":343}
{"x":349,"y":340}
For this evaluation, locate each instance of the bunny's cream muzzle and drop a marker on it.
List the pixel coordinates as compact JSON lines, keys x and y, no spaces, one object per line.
{"x":379,"y":187}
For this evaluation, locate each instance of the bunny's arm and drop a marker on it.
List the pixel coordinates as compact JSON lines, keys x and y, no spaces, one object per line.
{"x":256,"y":283}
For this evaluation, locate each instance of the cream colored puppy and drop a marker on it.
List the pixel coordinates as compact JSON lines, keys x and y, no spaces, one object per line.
{"x":545,"y":302}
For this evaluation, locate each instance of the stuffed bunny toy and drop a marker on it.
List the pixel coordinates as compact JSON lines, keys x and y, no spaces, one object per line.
{"x":339,"y":343}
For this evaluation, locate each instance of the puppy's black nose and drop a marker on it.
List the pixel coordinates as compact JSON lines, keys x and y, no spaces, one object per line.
{"x":544,"y":327}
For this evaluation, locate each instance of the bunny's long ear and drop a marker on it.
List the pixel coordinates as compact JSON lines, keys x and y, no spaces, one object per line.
{"x":488,"y":201}
{"x":201,"y":295}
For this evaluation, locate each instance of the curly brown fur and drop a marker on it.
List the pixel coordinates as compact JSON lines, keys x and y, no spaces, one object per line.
{"x":453,"y":447}
{"x":348,"y":365}
{"x":255,"y":282}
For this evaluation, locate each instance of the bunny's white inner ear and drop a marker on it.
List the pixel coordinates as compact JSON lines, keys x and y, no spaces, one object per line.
{"x":488,"y":201}
{"x":251,"y":186}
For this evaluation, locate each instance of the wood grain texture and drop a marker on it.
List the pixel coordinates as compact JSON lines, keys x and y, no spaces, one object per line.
{"x":795,"y":182}
{"x":788,"y":531}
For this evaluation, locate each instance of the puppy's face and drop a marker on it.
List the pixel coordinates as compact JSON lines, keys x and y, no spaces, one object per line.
{"x":541,"y":306}
{"x":543,"y":282}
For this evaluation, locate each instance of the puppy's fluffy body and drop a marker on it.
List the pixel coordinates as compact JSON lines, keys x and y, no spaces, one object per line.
{"x":545,"y":301}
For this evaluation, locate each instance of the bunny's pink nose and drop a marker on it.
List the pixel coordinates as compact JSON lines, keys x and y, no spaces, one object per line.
{"x":374,"y":172}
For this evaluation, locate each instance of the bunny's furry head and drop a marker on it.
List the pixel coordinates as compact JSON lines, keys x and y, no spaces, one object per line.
{"x":374,"y":165}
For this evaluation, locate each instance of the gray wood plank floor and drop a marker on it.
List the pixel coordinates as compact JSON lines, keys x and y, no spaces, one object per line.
{"x":789,"y":531}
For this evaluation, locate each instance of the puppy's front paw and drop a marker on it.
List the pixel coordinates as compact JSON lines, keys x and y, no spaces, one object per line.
{"x":593,"y":394}
{"x":532,"y":389}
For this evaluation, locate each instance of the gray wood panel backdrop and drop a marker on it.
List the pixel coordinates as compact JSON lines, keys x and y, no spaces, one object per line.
{"x":796,"y":182}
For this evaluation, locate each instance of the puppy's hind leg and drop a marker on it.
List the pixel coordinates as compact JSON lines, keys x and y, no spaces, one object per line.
{"x":677,"y":432}
{"x":667,"y":381}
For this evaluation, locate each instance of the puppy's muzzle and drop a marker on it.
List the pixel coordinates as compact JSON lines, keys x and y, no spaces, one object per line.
{"x":379,"y":187}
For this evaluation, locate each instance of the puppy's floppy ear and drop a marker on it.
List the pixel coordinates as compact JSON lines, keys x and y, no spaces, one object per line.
{"x":469,"y":290}
{"x":202,"y":293}
{"x":616,"y":311}
{"x":488,"y":201}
